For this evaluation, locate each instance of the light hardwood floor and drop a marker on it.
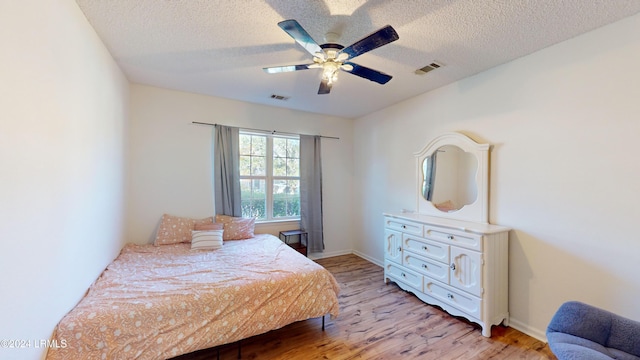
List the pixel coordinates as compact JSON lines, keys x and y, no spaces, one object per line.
{"x":380,"y":321}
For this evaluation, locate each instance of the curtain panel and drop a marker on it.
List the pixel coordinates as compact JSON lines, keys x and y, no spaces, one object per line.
{"x":226,"y":170}
{"x":311,"y":191}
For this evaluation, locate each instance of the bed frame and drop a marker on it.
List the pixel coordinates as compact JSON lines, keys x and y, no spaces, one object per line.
{"x":240,"y":345}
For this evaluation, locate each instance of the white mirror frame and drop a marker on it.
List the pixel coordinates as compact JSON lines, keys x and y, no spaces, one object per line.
{"x":477,"y":211}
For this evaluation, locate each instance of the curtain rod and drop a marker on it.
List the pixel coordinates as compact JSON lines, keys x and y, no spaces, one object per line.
{"x":271,"y":131}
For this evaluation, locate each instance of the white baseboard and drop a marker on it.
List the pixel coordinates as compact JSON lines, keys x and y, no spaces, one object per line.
{"x":533,"y":332}
{"x":368,"y":258}
{"x":322,"y":255}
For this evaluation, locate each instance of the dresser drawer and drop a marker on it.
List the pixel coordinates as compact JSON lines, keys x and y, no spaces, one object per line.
{"x":402,"y":225}
{"x":430,"y":249}
{"x":464,"y":302}
{"x":434,"y":269}
{"x":405,"y":276}
{"x":458,"y":238}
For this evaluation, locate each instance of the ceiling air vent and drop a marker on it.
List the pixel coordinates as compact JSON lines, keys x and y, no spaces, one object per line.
{"x":279,"y":97}
{"x":426,"y":69}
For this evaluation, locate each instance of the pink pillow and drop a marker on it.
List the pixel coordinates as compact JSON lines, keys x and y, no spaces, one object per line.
{"x":175,"y":229}
{"x":205,"y":227}
{"x":236,"y":228}
{"x":223,"y":219}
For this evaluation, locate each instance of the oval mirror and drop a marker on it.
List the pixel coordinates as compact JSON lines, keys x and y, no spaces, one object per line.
{"x":449,"y":178}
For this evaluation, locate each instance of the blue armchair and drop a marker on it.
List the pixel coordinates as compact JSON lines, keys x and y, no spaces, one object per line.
{"x":580,"y":331}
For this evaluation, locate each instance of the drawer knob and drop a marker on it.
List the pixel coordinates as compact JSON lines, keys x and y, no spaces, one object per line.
{"x":450,"y":296}
{"x":425,"y":248}
{"x":404,"y":226}
{"x":425,"y":266}
{"x":403,"y":275}
{"x":450,"y":237}
{"x":452,"y":266}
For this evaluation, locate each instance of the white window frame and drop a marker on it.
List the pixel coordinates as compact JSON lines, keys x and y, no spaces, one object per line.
{"x":269,"y":177}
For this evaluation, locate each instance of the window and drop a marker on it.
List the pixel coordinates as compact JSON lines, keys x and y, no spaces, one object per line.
{"x":269,"y":176}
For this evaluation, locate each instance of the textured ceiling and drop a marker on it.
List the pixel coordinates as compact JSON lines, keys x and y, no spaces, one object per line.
{"x":220,"y":47}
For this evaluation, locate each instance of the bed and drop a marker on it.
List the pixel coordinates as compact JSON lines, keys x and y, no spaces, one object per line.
{"x":157,"y":302}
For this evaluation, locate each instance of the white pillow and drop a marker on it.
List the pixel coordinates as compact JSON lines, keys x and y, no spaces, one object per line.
{"x":206,"y":239}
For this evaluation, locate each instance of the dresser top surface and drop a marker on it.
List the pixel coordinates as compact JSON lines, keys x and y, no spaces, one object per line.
{"x":467,"y":226}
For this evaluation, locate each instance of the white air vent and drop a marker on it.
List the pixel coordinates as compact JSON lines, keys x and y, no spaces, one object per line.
{"x":279,"y":97}
{"x":426,"y":69}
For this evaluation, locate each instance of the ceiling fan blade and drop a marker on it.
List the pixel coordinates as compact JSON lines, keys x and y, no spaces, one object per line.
{"x":373,"y":41}
{"x":325,"y":87}
{"x":288,"y":68}
{"x":300,"y":35}
{"x":369,"y":74}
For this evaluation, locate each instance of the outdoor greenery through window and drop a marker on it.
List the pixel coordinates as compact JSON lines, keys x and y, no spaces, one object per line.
{"x":270,"y":176}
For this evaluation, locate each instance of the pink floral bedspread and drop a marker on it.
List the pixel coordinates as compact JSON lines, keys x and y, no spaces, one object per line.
{"x":155,"y":302}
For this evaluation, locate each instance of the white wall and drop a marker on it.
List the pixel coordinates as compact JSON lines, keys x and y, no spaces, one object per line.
{"x":63,"y":125}
{"x":171,"y":158}
{"x":564,"y":123}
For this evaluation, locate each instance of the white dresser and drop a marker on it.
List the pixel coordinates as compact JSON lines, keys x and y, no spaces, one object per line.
{"x":458,"y":265}
{"x":446,"y":252}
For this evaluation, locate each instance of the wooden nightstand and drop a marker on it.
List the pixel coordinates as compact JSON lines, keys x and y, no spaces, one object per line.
{"x":289,"y":236}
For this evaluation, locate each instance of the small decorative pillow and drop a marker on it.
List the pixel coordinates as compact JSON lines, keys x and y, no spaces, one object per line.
{"x":175,"y":229}
{"x":239,"y":228}
{"x":212,"y":226}
{"x":206,"y":240}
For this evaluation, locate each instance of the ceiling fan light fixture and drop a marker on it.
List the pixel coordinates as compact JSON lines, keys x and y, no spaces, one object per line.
{"x":342,"y":57}
{"x":330,"y":71}
{"x":320,"y":56}
{"x":346,"y":67}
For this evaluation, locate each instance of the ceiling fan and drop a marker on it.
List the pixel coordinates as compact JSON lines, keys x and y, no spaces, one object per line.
{"x":332,"y":57}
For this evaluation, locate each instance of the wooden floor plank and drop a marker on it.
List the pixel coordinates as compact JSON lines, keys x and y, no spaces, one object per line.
{"x":380,"y":321}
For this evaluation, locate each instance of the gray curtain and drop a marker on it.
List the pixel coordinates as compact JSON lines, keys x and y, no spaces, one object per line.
{"x":311,"y":191}
{"x":226,"y":170}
